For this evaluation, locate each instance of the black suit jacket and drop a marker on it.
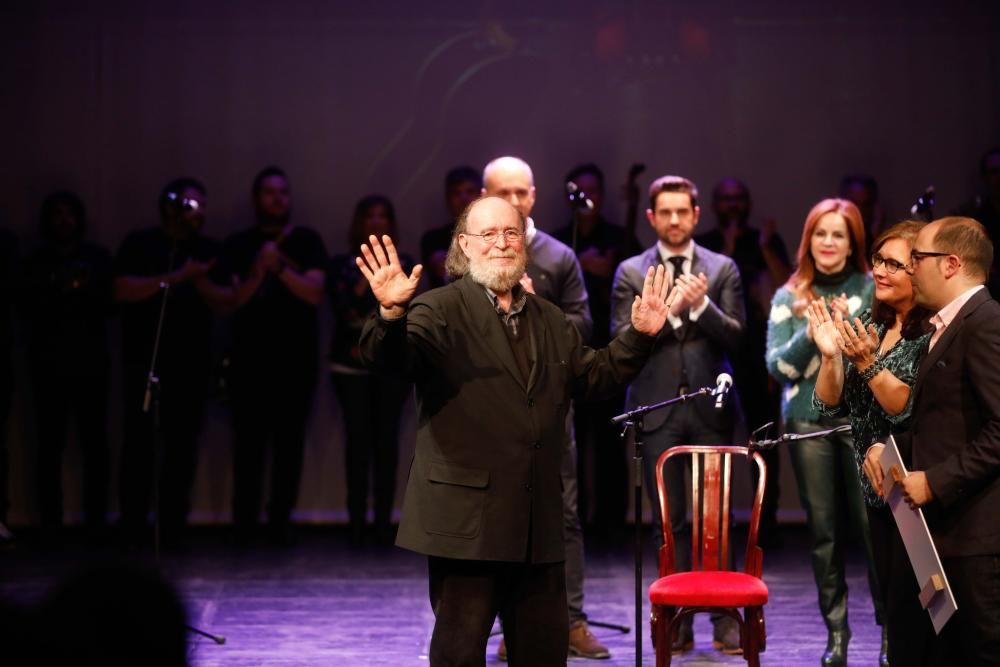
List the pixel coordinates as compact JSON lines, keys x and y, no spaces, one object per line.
{"x":954,"y":433}
{"x":484,"y":482}
{"x":699,"y":350}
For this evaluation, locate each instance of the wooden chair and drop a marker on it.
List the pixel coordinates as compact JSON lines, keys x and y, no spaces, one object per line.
{"x":709,"y":586}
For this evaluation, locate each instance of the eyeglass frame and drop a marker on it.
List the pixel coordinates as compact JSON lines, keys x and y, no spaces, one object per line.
{"x":877,"y":260}
{"x":510,"y":236}
{"x":917,"y":255}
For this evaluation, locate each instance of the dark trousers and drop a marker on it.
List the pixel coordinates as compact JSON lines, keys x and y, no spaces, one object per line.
{"x":971,"y":638}
{"x":830,"y":490}
{"x":181,"y":413}
{"x":572,"y":527}
{"x":600,"y":440}
{"x":466,"y":597}
{"x":269,"y":406}
{"x":683,"y":427}
{"x":76,"y":390}
{"x":907,"y":624}
{"x":371,"y":406}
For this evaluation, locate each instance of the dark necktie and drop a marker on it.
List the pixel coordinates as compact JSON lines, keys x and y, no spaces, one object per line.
{"x":678,"y":263}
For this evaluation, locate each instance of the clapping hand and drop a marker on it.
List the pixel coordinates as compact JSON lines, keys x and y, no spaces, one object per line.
{"x":840,"y":304}
{"x":391,"y":286}
{"x":824,"y":328}
{"x":689,"y":292}
{"x":649,"y":310}
{"x":857,"y":343}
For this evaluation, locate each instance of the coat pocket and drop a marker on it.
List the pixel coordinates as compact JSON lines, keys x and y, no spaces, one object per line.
{"x":455,"y":500}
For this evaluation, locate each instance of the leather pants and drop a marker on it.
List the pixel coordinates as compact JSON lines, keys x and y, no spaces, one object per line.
{"x":830,"y":489}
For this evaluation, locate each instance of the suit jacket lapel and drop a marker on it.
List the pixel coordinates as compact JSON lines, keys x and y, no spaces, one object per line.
{"x":538,"y":334}
{"x":485,"y":318}
{"x":947,"y":338}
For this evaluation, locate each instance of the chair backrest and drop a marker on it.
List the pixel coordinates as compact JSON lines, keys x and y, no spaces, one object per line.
{"x":711,"y":476}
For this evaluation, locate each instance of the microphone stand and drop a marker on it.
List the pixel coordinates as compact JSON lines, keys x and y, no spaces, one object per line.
{"x":633,"y":423}
{"x":770,"y":443}
{"x":151,"y":402}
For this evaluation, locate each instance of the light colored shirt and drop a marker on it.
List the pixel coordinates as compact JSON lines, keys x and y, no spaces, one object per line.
{"x":946,"y":315}
{"x":529,"y":231}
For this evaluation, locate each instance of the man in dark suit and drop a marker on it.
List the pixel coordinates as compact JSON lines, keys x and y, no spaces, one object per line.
{"x":494,"y":369}
{"x":554,"y":274}
{"x":952,"y":447}
{"x":706,"y":323}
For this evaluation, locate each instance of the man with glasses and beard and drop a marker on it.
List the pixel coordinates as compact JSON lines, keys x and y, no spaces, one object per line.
{"x":495,"y":368}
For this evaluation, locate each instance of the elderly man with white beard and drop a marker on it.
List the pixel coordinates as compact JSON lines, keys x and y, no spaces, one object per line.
{"x":495,"y":369}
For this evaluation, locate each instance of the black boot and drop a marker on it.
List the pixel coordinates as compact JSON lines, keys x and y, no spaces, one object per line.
{"x":836,"y":648}
{"x":883,"y":653}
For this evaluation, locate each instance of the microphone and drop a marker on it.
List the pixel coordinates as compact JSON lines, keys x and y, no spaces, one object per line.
{"x":577,"y":197}
{"x":722,"y":385}
{"x":923,"y":208}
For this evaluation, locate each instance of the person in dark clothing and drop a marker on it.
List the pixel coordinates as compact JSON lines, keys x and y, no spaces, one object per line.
{"x":495,"y":368}
{"x":278,"y":273}
{"x":862,"y":191}
{"x":762,"y":260}
{"x":461,"y":187}
{"x":66,"y":302}
{"x":600,"y":246}
{"x":175,"y":266}
{"x":371,"y":403}
{"x":8,"y":278}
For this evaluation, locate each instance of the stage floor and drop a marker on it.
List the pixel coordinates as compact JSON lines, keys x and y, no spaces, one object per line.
{"x":322,"y":602}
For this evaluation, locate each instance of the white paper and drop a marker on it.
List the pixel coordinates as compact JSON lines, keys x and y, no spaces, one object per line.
{"x":917,"y":538}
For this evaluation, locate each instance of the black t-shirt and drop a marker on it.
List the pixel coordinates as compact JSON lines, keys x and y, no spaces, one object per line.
{"x":751,"y":263}
{"x":67,"y":300}
{"x":603,"y":236}
{"x":275,"y":322}
{"x":435,"y":240}
{"x":186,"y":343}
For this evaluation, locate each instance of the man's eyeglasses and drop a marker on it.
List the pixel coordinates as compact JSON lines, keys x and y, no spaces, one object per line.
{"x":891,"y":265}
{"x":490,"y":237}
{"x":917,"y":255}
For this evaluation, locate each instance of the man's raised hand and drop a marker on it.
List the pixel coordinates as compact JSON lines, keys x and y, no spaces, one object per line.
{"x":649,"y":310}
{"x":380,"y":265}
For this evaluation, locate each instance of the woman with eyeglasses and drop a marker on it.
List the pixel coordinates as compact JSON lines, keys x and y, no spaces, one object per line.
{"x":832,"y":267}
{"x":868,"y":368}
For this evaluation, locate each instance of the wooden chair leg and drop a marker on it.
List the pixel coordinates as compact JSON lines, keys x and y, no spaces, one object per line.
{"x":754,"y":627}
{"x":664,"y":636}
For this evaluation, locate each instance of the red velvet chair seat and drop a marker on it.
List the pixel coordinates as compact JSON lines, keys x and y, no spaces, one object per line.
{"x":708,"y":589}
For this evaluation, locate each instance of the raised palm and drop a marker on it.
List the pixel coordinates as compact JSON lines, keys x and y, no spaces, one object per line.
{"x":380,"y":265}
{"x":825,"y":333}
{"x":649,"y":310}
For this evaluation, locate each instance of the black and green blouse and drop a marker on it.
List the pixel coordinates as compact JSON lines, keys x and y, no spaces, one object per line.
{"x":871,"y":423}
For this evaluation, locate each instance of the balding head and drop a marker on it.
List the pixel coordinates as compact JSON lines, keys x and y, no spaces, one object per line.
{"x":468,"y":248}
{"x":951,"y":255}
{"x":511,"y":179}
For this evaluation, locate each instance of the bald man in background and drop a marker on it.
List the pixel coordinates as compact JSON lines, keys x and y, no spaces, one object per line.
{"x":554,"y":273}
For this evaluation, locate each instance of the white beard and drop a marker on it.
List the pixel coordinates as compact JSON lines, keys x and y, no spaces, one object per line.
{"x":499,"y":279}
